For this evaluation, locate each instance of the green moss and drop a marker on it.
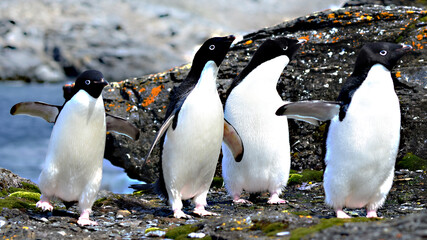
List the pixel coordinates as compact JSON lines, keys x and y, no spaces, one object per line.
{"x":181,"y":232}
{"x":269,"y":228}
{"x":412,"y":162}
{"x":302,"y":213}
{"x":32,"y":196}
{"x":30,"y":187}
{"x":152,"y":229}
{"x":326,"y":223}
{"x":294,"y":179}
{"x":15,"y":202}
{"x":305,"y":176}
{"x":217,"y":182}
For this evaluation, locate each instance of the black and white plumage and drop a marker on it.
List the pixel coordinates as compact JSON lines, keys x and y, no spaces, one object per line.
{"x":73,"y":165}
{"x":192,"y":133}
{"x":363,"y":139}
{"x":250,"y":107}
{"x":364,"y":132}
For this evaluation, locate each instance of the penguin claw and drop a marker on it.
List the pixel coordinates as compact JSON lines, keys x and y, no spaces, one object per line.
{"x":371,"y":214}
{"x":203,"y":212}
{"x":181,"y":214}
{"x":242,"y":201}
{"x":277,"y":201}
{"x":86,"y":222}
{"x":45,"y":206}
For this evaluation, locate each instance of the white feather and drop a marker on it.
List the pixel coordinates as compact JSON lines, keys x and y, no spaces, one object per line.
{"x":73,"y":165}
{"x":362,"y":149}
{"x":191,"y":151}
{"x":251,"y":108}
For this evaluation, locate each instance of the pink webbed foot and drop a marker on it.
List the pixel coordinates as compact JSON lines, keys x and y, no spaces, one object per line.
{"x":238,"y":200}
{"x":84,"y":219}
{"x":371,"y":214}
{"x":178,"y":213}
{"x":341,"y":214}
{"x":274,"y":199}
{"x":201,"y":211}
{"x":44,"y":205}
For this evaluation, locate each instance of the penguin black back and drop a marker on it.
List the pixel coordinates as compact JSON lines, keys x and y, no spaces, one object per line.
{"x":270,"y":49}
{"x":384,"y":53}
{"x":214,"y":49}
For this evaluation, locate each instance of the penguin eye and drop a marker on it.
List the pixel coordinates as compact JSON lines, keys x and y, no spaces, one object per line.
{"x":211,"y":47}
{"x":285,"y":48}
{"x":383,"y":52}
{"x":87,"y":82}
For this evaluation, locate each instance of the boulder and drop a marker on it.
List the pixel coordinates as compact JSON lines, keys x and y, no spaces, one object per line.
{"x":317,"y":72}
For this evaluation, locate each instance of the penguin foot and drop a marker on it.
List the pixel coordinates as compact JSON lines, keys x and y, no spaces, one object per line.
{"x":180,"y":214}
{"x":242,"y":201}
{"x":202,"y":212}
{"x":86,"y":222}
{"x":44,"y":205}
{"x":342,"y":214}
{"x":371,"y":214}
{"x":274,"y":199}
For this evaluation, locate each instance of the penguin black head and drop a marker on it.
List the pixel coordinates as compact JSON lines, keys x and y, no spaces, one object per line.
{"x":214,"y":49}
{"x":92,"y":82}
{"x":383,"y":53}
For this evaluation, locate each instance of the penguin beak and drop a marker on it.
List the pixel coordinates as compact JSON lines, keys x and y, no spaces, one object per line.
{"x":406,"y":47}
{"x":102,"y":82}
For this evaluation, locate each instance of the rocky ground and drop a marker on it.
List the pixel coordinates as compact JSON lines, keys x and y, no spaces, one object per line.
{"x":144,"y":215}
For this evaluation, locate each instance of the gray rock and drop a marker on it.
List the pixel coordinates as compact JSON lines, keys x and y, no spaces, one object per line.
{"x":318,"y":71}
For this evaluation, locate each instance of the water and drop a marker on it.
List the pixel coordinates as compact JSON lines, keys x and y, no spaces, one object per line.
{"x":24,"y":139}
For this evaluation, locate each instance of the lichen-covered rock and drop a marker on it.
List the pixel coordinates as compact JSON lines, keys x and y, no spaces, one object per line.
{"x":317,"y":72}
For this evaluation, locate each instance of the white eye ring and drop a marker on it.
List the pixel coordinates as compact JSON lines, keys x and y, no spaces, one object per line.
{"x":211,"y":47}
{"x":87,"y":82}
{"x":285,"y":48}
{"x":383,"y":52}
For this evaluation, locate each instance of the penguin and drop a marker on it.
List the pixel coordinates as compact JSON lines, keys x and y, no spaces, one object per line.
{"x":192,"y":133}
{"x":250,"y":107}
{"x":363,"y":135}
{"x":73,"y":164}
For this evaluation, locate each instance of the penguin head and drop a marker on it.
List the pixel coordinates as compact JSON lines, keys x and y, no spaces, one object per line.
{"x":214,"y":49}
{"x":92,"y":82}
{"x":276,"y":47}
{"x":384,"y":53}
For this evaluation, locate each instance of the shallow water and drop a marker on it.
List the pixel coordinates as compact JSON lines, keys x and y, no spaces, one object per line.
{"x":24,"y":139}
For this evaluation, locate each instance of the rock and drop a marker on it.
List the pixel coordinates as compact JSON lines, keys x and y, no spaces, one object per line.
{"x":10,"y":179}
{"x":318,"y":71}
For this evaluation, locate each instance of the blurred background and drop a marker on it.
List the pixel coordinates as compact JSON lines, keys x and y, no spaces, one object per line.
{"x":46,"y":43}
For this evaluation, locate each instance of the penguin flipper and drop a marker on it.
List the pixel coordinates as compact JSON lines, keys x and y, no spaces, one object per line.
{"x":233,"y":141}
{"x":121,"y":126}
{"x":310,"y":111}
{"x":160,"y":133}
{"x":37,"y":109}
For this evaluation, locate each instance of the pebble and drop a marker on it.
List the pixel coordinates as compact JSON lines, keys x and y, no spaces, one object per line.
{"x":281,"y":234}
{"x":156,"y":233}
{"x":196,"y":235}
{"x":2,"y":223}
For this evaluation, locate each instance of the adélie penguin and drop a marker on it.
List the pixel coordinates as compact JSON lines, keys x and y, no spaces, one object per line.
{"x":73,"y":166}
{"x":363,"y":136}
{"x":191,"y":136}
{"x":250,"y":107}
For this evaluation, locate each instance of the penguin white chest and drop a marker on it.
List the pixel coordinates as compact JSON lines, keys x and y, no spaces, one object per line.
{"x":191,"y":150}
{"x":251,"y":108}
{"x":361,"y":149}
{"x":76,"y":149}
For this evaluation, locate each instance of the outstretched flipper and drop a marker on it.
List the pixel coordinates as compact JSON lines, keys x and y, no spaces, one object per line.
{"x":121,"y":126}
{"x":310,"y":111}
{"x":233,"y":141}
{"x":160,"y":133}
{"x":37,"y":109}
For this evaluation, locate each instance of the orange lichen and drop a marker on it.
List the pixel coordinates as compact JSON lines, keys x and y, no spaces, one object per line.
{"x":419,"y":37}
{"x":154,"y":92}
{"x":305,"y":38}
{"x":331,"y":15}
{"x":248,"y":42}
{"x":398,"y":74}
{"x":141,"y":90}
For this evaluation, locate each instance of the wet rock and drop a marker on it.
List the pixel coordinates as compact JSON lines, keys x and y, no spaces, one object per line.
{"x":318,"y":72}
